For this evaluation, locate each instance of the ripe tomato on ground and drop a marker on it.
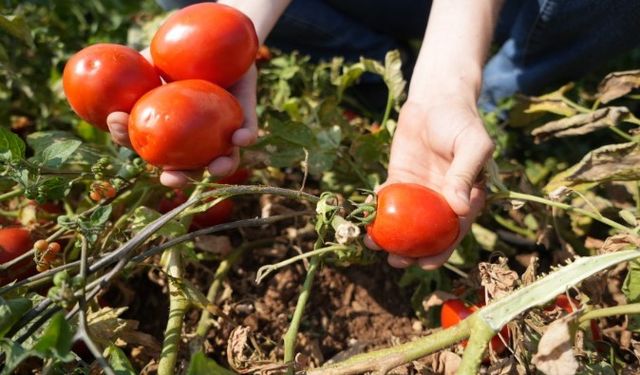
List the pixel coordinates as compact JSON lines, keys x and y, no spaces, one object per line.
{"x":218,"y":214}
{"x":105,"y":78}
{"x":15,"y":241}
{"x":209,"y":41}
{"x":184,"y":125}
{"x":454,"y":311}
{"x":413,"y":221}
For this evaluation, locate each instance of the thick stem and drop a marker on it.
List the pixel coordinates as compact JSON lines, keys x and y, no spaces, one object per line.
{"x":384,"y":360}
{"x":476,"y":347}
{"x":178,"y":306}
{"x":564,"y":206}
{"x":11,"y":194}
{"x":292,"y":332}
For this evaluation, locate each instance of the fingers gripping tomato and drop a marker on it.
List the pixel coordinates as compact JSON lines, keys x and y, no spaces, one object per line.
{"x":413,"y":221}
{"x":184,"y":125}
{"x":105,"y":78}
{"x":206,"y":41}
{"x":454,"y":311}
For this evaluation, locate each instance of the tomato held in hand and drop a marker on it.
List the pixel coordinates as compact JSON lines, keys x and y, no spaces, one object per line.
{"x":218,"y":214}
{"x":413,"y":221}
{"x":454,"y":311}
{"x":184,"y":125}
{"x":105,"y":78}
{"x":206,"y":41}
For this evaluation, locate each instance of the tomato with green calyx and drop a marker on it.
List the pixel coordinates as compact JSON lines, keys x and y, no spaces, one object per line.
{"x":413,"y":221}
{"x":105,"y":78}
{"x":454,"y":311}
{"x":209,"y":41}
{"x":184,"y":125}
{"x":218,"y":214}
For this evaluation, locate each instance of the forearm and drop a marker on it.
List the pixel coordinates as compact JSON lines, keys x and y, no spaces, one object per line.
{"x":454,"y":49}
{"x":263,"y":13}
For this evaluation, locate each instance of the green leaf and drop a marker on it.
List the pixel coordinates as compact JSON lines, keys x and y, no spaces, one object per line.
{"x":393,"y":76}
{"x":56,"y":340}
{"x":143,"y":216}
{"x":201,"y":365}
{"x":17,"y":26}
{"x":631,"y":285}
{"x":11,"y":146}
{"x":11,"y":311}
{"x":290,"y":131}
{"x":85,"y":154}
{"x":101,"y":215}
{"x":119,"y":361}
{"x":57,"y":153}
{"x":14,"y":355}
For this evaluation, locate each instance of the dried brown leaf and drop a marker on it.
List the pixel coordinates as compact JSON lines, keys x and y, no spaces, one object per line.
{"x":437,"y":298}
{"x":555,"y":352}
{"x":446,"y":363}
{"x":620,"y":242}
{"x":497,"y":279}
{"x":618,"y":84}
{"x":581,"y":123}
{"x":219,"y":245}
{"x":611,"y":162}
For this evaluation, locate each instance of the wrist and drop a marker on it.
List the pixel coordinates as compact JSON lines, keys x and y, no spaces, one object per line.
{"x":460,"y":85}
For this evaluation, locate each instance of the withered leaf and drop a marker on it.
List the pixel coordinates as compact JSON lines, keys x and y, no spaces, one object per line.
{"x":582,"y":123}
{"x":619,"y":162}
{"x":555,"y":351}
{"x":618,"y":84}
{"x":528,"y":109}
{"x":620,"y":242}
{"x":497,"y":279}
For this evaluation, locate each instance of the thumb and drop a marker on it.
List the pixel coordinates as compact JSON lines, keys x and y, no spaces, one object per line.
{"x":471,"y":151}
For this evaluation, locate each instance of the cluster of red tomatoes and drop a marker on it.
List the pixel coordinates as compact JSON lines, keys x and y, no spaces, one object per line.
{"x":17,"y":240}
{"x":199,"y":51}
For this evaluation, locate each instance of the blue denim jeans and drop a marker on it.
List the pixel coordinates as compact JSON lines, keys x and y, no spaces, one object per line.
{"x":541,"y":43}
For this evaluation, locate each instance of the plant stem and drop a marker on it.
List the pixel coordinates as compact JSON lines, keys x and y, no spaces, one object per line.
{"x":564,"y":206}
{"x":221,"y":272}
{"x":387,"y":112}
{"x":384,"y":360}
{"x":178,"y":306}
{"x":476,"y":347}
{"x":630,"y":309}
{"x":622,"y":134}
{"x":267,"y":269}
{"x":11,"y":194}
{"x":292,"y":331}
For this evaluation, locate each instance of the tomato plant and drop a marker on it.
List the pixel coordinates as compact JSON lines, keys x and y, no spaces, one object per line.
{"x":105,"y":78}
{"x":413,"y":221}
{"x":184,"y":125}
{"x":217,"y":214}
{"x":206,"y":41}
{"x":454,"y":311}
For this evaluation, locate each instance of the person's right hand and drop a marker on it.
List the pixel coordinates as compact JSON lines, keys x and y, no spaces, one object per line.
{"x":245,"y":91}
{"x":443,"y":145}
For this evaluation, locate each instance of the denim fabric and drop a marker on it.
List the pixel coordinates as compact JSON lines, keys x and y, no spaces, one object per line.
{"x":542,"y":42}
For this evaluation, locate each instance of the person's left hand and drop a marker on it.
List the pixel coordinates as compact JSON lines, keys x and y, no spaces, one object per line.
{"x":442,"y":145}
{"x":245,"y":91}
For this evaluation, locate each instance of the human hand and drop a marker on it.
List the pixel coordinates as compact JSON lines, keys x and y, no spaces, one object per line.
{"x":443,"y":145}
{"x":245,"y":91}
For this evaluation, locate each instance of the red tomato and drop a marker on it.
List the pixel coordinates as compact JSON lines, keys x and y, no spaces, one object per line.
{"x":218,"y":214}
{"x":239,"y":177}
{"x":413,"y":221}
{"x":562,"y":301}
{"x":454,"y":311}
{"x":206,"y":41}
{"x":184,"y":125}
{"x":15,"y":241}
{"x":105,"y":78}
